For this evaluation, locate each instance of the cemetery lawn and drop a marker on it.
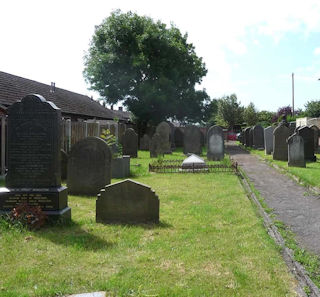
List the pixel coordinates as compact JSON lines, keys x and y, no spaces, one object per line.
{"x":309,"y":176}
{"x":210,"y":242}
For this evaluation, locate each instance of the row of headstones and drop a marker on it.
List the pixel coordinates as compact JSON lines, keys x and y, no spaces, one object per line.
{"x":192,"y":138}
{"x":285,"y":142}
{"x":34,"y":173}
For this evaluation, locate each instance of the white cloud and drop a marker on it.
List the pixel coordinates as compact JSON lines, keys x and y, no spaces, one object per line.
{"x":316,"y":51}
{"x":46,"y":42}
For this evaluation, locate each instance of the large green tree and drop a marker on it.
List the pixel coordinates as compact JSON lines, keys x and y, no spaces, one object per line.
{"x":151,"y":68}
{"x":312,"y":109}
{"x":250,"y":115}
{"x":230,"y":112}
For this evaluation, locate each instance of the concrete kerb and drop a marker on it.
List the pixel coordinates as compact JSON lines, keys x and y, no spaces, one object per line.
{"x":296,"y":269}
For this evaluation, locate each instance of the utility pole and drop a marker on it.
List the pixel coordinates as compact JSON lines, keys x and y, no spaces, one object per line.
{"x":292,"y":94}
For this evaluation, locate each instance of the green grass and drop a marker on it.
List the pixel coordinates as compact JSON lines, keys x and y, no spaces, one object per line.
{"x":209,"y":243}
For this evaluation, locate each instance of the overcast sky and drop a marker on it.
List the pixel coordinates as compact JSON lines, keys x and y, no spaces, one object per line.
{"x":250,"y":47}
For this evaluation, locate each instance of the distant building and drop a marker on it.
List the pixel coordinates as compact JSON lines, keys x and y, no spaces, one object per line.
{"x":73,"y":105}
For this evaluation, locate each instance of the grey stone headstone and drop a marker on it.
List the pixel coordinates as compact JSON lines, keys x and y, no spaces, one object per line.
{"x":171,"y":137}
{"x":127,"y":202}
{"x":215,"y":143}
{"x":246,"y":136}
{"x":296,"y":151}
{"x":258,"y":137}
{"x":316,"y":137}
{"x":178,"y":137}
{"x":145,"y":142}
{"x":250,"y":137}
{"x":120,"y":167}
{"x":268,"y":140}
{"x":89,"y":166}
{"x":280,"y":146}
{"x":164,"y":130}
{"x":292,"y":127}
{"x":155,"y":146}
{"x":192,"y":140}
{"x":308,"y":139}
{"x":130,"y":143}
{"x":122,"y":130}
{"x":34,"y":166}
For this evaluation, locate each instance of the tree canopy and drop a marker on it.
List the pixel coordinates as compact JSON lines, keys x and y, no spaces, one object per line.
{"x":152,"y":69}
{"x":313,"y":109}
{"x":250,"y":115}
{"x":230,"y":111}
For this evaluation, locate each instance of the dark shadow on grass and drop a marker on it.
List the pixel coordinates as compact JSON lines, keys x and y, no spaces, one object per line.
{"x":72,"y":235}
{"x":161,"y":225}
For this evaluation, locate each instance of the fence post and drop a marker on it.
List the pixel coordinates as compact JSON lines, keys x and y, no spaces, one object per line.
{"x":68,"y":135}
{"x":3,"y":145}
{"x":98,"y":128}
{"x":86,"y":129}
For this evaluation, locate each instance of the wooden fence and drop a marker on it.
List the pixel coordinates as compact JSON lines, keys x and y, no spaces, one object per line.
{"x":72,"y":132}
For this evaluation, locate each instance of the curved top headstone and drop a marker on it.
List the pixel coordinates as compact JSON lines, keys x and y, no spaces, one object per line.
{"x":89,"y":166}
{"x":192,"y":140}
{"x":130,"y":143}
{"x":164,"y":130}
{"x":33,"y":144}
{"x":215,"y":143}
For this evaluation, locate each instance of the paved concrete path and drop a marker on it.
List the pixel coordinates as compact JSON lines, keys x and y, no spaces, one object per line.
{"x":292,"y":203}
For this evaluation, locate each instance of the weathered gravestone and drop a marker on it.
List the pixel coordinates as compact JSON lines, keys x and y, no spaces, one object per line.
{"x":203,"y":134}
{"x":127,"y":202}
{"x":280,"y":146}
{"x":241,"y":137}
{"x":296,"y":151}
{"x":215,"y":143}
{"x":34,"y":172}
{"x":292,"y":127}
{"x":173,"y":145}
{"x":145,"y":142}
{"x":130,"y":143}
{"x":64,"y":164}
{"x":178,"y":137}
{"x":121,"y":131}
{"x":192,"y":140}
{"x":246,"y":136}
{"x":308,"y":139}
{"x":268,"y":140}
{"x":155,"y":146}
{"x":164,"y":130}
{"x":250,"y":137}
{"x":89,"y":166}
{"x":258,"y":137}
{"x":120,"y":167}
{"x":316,"y":137}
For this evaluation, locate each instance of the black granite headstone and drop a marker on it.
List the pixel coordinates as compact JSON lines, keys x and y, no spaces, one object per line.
{"x":34,"y":172}
{"x":192,"y":140}
{"x":178,"y":137}
{"x":258,"y":137}
{"x":280,"y":146}
{"x":250,"y":137}
{"x":246,"y":136}
{"x":308,"y":138}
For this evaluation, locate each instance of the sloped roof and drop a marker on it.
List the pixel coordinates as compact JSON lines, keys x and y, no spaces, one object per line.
{"x":14,"y":88}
